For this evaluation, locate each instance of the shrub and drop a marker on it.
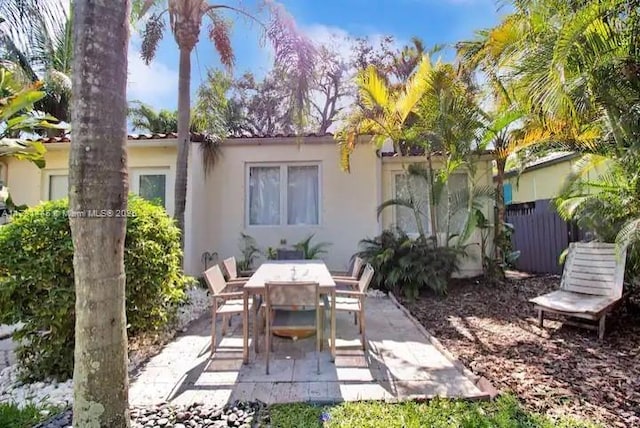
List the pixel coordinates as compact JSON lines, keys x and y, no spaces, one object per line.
{"x":37,"y":283}
{"x":407,"y":266}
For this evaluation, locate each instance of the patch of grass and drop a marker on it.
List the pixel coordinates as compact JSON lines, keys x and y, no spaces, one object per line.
{"x":13,"y":417}
{"x":504,"y":412}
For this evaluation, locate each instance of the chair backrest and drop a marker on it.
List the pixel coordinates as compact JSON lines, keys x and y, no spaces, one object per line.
{"x":231,"y":267}
{"x":366,"y":278}
{"x":594,"y":268}
{"x":292,"y":295}
{"x":290,"y":254}
{"x":215,"y":279}
{"x":357,"y":267}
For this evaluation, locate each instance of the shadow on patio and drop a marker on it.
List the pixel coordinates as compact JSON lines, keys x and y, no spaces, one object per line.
{"x":401,"y":363}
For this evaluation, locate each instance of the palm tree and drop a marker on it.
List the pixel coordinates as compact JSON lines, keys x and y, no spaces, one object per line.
{"x":98,"y":181}
{"x":37,"y":37}
{"x":381,"y":111}
{"x":17,"y":117}
{"x":144,"y":117}
{"x":293,"y":52}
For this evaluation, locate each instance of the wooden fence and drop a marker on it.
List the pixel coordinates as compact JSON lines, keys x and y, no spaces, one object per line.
{"x":540,"y":235}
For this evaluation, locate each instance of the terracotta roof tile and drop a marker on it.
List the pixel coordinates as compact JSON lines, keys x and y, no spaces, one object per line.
{"x":195,"y":137}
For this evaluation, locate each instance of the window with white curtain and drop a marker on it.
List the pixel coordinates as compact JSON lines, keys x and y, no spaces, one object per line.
{"x":283,"y":195}
{"x":407,"y":187}
{"x":446,"y":213}
{"x":58,"y":186}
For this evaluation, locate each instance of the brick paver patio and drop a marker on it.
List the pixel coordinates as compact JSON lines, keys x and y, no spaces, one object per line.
{"x":401,"y":363}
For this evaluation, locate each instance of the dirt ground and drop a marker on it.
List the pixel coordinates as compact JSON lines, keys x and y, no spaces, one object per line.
{"x":558,"y":369}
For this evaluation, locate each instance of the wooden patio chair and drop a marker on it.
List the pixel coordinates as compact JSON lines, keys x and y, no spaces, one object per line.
{"x":293,"y":306}
{"x":353,"y":300}
{"x":350,"y":282}
{"x":590,"y":288}
{"x":227,"y":301}
{"x":351,"y":279}
{"x":231,"y":267}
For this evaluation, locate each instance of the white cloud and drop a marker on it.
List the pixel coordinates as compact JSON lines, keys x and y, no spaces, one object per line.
{"x":155,"y":84}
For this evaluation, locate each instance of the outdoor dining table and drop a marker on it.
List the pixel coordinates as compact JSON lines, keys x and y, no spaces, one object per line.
{"x":287,"y":270}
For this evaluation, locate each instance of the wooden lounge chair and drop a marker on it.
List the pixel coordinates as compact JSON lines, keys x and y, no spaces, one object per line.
{"x":294,"y":306}
{"x":353,"y":300}
{"x":226,"y":301}
{"x":590,"y":288}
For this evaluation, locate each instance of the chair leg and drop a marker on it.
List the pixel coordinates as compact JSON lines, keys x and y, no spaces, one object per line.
{"x":318,"y":338}
{"x":362,"y":326}
{"x":223,"y":330}
{"x":214,"y":309}
{"x":601,"y":325}
{"x":321,"y":332}
{"x":540,"y":318}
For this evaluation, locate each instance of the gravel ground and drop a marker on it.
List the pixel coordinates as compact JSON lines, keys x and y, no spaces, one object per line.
{"x":555,"y":370}
{"x":238,"y":414}
{"x":140,"y":350}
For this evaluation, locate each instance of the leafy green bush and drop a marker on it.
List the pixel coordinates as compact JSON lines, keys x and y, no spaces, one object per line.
{"x":407,"y":266}
{"x":37,"y":283}
{"x":310,"y":251}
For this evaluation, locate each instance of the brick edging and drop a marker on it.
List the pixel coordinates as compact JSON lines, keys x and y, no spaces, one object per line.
{"x":480,"y":382}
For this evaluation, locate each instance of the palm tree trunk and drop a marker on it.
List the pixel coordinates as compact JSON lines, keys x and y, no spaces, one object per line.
{"x":98,"y":181}
{"x":184,"y":117}
{"x":501,"y":212}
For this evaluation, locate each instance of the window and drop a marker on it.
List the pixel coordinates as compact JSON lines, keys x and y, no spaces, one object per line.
{"x":283,"y":195}
{"x":415,"y":188}
{"x":446,"y":214}
{"x":152,"y":185}
{"x":508,"y":193}
{"x":58,"y":186}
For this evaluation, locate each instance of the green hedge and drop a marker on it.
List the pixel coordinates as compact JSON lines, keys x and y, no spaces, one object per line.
{"x":37,"y":284}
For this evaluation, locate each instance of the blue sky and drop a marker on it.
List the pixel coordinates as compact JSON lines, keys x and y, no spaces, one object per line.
{"x":434,"y":21}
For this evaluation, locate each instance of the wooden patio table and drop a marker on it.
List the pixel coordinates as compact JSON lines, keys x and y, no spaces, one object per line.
{"x":287,"y":270}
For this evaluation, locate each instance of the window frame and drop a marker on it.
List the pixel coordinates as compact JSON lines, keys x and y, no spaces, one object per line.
{"x":134,"y":183}
{"x":284,"y":193}
{"x":47,"y":181}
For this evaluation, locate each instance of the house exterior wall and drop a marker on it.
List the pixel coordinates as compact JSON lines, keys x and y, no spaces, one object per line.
{"x":483,"y":176}
{"x":30,"y":185}
{"x":541,"y":183}
{"x":219,"y":214}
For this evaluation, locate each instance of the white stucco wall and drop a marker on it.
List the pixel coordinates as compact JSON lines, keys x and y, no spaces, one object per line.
{"x":30,"y":185}
{"x":471,"y":265}
{"x":347,"y":201}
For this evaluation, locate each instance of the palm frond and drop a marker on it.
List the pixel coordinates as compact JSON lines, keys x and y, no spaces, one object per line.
{"x":373,"y":90}
{"x":395,"y":202}
{"x":629,"y":234}
{"x":415,"y":89}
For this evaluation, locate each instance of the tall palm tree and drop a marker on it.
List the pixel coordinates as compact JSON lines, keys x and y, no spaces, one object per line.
{"x":98,"y":181}
{"x":37,"y":37}
{"x":293,"y":52}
